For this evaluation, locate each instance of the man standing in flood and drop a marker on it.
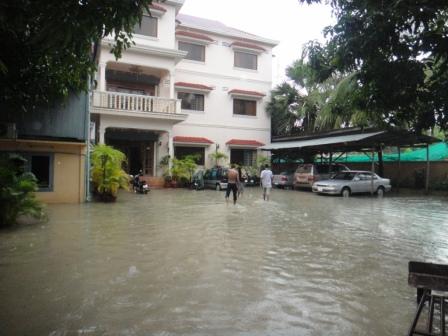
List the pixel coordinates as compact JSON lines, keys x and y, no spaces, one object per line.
{"x":232,"y":182}
{"x":266,"y":182}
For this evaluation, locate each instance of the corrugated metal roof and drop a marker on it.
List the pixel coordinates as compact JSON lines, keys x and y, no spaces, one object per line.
{"x":320,"y":141}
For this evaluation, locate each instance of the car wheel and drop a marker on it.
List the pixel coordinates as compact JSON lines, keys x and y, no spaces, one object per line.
{"x":345,"y":192}
{"x":218,"y":187}
{"x":380,"y":191}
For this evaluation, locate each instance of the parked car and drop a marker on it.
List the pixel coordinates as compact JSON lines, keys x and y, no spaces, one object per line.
{"x":216,"y":178}
{"x":308,"y":173}
{"x":350,"y":182}
{"x":283,"y":180}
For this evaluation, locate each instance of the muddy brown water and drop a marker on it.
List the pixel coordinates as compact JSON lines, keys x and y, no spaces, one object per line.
{"x":179,"y":262}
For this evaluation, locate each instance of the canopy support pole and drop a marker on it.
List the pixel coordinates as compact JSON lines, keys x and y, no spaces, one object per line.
{"x":427,"y":169}
{"x":380,"y":161}
{"x":373,"y":171}
{"x":399,"y":168}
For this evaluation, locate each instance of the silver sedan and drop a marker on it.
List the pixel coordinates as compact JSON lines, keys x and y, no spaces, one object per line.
{"x":350,"y":182}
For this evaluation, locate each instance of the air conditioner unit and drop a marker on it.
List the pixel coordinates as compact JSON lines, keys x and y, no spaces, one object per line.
{"x":8,"y":130}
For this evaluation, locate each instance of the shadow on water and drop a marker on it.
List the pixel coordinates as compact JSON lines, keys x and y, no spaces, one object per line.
{"x":179,"y":262}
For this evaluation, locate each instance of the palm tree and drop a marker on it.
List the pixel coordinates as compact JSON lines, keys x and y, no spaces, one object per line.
{"x":218,"y":156}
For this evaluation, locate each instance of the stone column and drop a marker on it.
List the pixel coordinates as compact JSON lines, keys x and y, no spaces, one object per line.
{"x":170,"y":148}
{"x":102,"y":77}
{"x":102,"y":131}
{"x":172,"y":79}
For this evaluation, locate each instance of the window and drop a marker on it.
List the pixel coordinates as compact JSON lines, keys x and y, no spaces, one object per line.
{"x":41,"y":165}
{"x":245,"y":107}
{"x":196,"y":52}
{"x":191,"y":101}
{"x":182,"y":152}
{"x":148,"y":26}
{"x":243,"y":157}
{"x":245,"y":60}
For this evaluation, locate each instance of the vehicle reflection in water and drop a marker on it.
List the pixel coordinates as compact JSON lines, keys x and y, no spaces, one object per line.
{"x":179,"y":262}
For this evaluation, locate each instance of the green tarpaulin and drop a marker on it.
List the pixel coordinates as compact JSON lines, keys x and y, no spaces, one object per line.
{"x":437,"y":152}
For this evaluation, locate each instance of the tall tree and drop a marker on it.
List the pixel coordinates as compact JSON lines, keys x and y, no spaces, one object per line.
{"x":398,"y":50}
{"x":47,"y":45}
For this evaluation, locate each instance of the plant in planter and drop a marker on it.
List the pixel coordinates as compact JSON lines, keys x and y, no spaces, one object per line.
{"x":182,"y":170}
{"x":17,"y":191}
{"x":107,"y":174}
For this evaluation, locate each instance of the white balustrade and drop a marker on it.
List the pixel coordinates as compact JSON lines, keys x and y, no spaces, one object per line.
{"x":134,"y":103}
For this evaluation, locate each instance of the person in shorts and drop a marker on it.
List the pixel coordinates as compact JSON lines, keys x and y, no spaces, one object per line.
{"x":232,"y":183}
{"x":266,"y":182}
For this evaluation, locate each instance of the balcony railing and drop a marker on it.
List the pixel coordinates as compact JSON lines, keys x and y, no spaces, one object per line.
{"x":134,"y":103}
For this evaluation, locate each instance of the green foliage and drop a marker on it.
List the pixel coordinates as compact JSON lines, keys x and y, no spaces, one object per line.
{"x":262,"y":161}
{"x":311,"y":105}
{"x":47,"y":47}
{"x":17,"y":191}
{"x":107,"y":173}
{"x":397,"y":51}
{"x":218,"y":156}
{"x":184,"y":169}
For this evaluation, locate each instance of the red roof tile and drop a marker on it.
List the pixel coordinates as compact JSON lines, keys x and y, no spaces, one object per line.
{"x":193,"y":86}
{"x":194,"y":35}
{"x":192,"y":140}
{"x":247,"y":45}
{"x":157,"y":7}
{"x":247,"y":93}
{"x":239,"y":142}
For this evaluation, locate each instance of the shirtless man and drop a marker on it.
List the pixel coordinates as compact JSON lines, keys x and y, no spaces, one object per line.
{"x":232,"y":182}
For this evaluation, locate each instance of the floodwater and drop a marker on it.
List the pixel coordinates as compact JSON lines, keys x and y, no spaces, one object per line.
{"x":180,"y":262}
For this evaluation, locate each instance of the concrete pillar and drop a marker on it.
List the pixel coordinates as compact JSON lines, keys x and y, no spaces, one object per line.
{"x":102,"y":77}
{"x":102,"y":139}
{"x":172,"y":78}
{"x":170,"y":148}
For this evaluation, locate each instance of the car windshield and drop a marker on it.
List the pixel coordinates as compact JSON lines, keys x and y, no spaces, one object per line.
{"x":344,"y":176}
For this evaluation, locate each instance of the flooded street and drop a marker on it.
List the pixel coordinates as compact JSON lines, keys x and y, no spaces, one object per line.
{"x":179,"y":262}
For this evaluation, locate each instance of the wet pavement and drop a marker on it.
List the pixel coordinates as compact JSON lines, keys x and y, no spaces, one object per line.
{"x":179,"y":262}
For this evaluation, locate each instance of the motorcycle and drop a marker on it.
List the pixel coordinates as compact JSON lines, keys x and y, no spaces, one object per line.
{"x":139,"y":186}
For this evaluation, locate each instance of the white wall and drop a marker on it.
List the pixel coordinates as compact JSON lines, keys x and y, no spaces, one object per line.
{"x":217,"y":122}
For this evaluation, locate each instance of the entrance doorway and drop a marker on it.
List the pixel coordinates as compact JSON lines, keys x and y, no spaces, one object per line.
{"x":138,"y":146}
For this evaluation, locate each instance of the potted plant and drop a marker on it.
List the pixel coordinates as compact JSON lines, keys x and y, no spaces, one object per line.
{"x":17,"y":191}
{"x":107,"y":174}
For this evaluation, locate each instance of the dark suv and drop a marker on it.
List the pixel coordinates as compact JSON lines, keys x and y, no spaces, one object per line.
{"x":216,"y":178}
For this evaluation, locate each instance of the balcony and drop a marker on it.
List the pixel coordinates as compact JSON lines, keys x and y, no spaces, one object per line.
{"x":116,"y":103}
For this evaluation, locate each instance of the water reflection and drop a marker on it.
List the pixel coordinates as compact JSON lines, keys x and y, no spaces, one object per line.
{"x":180,"y":262}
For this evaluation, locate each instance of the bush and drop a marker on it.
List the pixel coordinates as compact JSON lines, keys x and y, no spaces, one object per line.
{"x":107,"y":175}
{"x":17,"y":191}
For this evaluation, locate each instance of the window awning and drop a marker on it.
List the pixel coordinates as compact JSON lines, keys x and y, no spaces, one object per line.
{"x":156,"y":10}
{"x":196,"y":141}
{"x":193,"y":37}
{"x":238,"y":93}
{"x":193,"y":87}
{"x":247,"y":47}
{"x":244,"y":143}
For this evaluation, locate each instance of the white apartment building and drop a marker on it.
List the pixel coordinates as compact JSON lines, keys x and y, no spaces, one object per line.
{"x":188,"y":86}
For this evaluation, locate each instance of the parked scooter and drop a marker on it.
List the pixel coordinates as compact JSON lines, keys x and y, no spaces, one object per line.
{"x":139,"y":186}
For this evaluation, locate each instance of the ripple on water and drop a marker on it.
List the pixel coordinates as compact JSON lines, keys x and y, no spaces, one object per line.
{"x":179,"y":262}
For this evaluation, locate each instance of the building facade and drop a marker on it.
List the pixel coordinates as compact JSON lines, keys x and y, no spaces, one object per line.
{"x":53,"y":140}
{"x":187,"y":86}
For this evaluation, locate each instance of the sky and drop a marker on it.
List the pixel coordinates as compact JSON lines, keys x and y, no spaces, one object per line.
{"x":291,"y":23}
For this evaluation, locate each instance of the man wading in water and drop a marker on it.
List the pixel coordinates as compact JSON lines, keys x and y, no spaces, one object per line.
{"x":232,"y":181}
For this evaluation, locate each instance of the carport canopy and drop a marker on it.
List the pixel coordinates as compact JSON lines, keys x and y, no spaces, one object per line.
{"x":345,"y":140}
{"x":351,"y":140}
